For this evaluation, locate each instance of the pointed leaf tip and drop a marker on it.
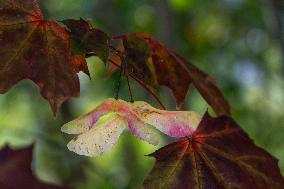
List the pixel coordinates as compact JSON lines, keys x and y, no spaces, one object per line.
{"x":80,"y":64}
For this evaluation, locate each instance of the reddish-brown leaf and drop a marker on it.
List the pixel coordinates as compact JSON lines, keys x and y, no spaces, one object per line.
{"x":36,"y":49}
{"x":218,"y":155}
{"x":16,"y":172}
{"x":156,"y":65}
{"x":80,"y":64}
{"x":86,"y":39}
{"x":206,"y":86}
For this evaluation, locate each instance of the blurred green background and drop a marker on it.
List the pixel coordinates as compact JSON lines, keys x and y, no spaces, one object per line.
{"x":238,"y":42}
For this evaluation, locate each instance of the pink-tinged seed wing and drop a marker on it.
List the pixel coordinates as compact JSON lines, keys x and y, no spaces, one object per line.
{"x":140,"y":117}
{"x":172,"y":123}
{"x":88,"y":120}
{"x":136,"y":126}
{"x":142,"y":130}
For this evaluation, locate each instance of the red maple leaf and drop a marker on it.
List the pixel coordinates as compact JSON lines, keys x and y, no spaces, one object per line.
{"x":15,"y":171}
{"x":36,"y":49}
{"x":218,"y":155}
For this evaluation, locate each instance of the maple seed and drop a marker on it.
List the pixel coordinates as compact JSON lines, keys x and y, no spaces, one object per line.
{"x":139,"y":117}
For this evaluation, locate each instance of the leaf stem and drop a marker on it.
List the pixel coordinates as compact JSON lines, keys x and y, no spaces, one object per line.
{"x":119,"y":81}
{"x":149,"y":91}
{"x":116,"y":51}
{"x":118,"y":37}
{"x":143,"y":86}
{"x":128,"y":83}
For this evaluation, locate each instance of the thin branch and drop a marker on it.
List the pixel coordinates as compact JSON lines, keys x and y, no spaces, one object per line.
{"x":128,"y":83}
{"x":119,"y":81}
{"x":118,"y":37}
{"x":129,"y":89}
{"x":116,"y":51}
{"x":143,"y":86}
{"x":149,"y":91}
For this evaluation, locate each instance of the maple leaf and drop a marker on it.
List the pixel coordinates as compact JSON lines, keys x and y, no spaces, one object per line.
{"x":156,"y":65}
{"x":36,"y":49}
{"x":80,"y":64}
{"x":97,"y":136}
{"x":86,"y":39}
{"x":219,"y":154}
{"x":16,"y":170}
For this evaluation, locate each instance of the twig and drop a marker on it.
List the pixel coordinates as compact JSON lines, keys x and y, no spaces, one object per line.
{"x":118,"y":37}
{"x":119,"y":81}
{"x":151,"y":93}
{"x":143,"y":86}
{"x":128,"y":83}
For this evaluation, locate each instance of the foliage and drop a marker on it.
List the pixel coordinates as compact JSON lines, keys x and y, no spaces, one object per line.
{"x":16,"y":170}
{"x":154,"y":64}
{"x":219,"y":154}
{"x":36,"y":49}
{"x":51,"y":55}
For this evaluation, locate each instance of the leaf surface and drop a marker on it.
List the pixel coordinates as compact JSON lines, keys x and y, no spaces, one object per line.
{"x":218,"y":155}
{"x":156,"y":65}
{"x":36,"y":49}
{"x":80,"y":64}
{"x":15,"y":171}
{"x":86,"y":39}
